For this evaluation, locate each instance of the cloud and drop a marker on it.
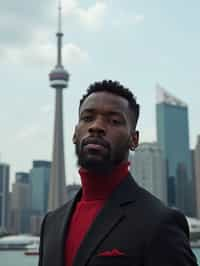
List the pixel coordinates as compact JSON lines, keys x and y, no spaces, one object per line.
{"x":128,"y":20}
{"x":35,"y":128}
{"x":27,"y":32}
{"x":19,"y":19}
{"x":93,"y":17}
{"x":69,"y":7}
{"x":28,"y":131}
{"x":73,"y":54}
{"x":46,"y":109}
{"x":43,"y":54}
{"x":138,"y":19}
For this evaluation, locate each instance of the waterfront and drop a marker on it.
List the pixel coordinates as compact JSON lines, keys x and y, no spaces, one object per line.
{"x":197,"y":253}
{"x":17,"y":258}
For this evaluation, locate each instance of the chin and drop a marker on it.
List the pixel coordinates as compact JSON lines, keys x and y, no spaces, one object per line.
{"x":96,"y":165}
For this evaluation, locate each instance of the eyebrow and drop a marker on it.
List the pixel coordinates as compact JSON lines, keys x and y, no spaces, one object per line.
{"x":92,"y":110}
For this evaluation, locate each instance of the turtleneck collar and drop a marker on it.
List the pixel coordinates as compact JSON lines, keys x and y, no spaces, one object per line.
{"x":99,"y":187}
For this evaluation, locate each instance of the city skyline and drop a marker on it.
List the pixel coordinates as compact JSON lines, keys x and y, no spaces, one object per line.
{"x":100,"y":38}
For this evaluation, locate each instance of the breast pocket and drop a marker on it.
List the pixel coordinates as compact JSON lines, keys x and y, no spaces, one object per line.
{"x":113,"y":260}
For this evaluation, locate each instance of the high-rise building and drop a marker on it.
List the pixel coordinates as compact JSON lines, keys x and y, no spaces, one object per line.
{"x":22,"y":177}
{"x":193,"y":184}
{"x":197,"y":175}
{"x":59,"y":78}
{"x":4,"y":195}
{"x":35,"y":224}
{"x":173,"y":138}
{"x":39,"y":180}
{"x":20,"y":204}
{"x":148,"y":169}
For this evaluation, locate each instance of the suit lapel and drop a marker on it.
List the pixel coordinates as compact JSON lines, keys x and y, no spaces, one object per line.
{"x":65,"y":225}
{"x":109,"y":217}
{"x":104,"y":223}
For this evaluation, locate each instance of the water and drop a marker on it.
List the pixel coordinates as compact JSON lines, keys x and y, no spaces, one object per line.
{"x":17,"y":258}
{"x":197,"y":253}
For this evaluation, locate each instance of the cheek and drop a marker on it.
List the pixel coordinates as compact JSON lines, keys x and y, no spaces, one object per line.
{"x":120,"y":139}
{"x":81,"y":133}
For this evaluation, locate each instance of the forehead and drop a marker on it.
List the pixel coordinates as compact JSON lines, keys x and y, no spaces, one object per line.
{"x":105,"y":101}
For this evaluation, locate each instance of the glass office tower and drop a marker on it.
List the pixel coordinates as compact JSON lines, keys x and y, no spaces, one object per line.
{"x":173,"y":138}
{"x":39,"y":178}
{"x":4,"y":190}
{"x":148,"y":169}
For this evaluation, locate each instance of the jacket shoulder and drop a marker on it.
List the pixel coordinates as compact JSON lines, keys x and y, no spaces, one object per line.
{"x":153,"y":212}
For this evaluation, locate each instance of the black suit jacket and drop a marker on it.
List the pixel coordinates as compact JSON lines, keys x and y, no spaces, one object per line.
{"x":132,"y":221}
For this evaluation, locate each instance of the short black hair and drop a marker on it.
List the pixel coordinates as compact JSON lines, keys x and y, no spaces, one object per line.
{"x":116,"y":88}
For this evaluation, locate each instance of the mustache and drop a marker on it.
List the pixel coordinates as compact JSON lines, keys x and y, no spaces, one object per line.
{"x":94,"y":140}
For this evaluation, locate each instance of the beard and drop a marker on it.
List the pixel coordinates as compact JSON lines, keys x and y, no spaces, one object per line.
{"x":101,"y":163}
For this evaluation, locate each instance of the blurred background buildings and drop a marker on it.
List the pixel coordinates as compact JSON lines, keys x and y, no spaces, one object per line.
{"x":169,"y":168}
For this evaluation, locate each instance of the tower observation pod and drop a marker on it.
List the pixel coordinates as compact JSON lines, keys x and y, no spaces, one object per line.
{"x":59,"y":77}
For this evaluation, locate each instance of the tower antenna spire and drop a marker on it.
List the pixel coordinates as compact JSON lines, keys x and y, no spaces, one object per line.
{"x":59,"y":16}
{"x":59,"y":36}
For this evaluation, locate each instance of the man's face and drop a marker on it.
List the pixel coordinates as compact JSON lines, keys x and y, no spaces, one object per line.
{"x":104,"y":133}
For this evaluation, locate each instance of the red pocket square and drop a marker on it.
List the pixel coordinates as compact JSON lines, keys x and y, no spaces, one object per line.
{"x":114,"y":252}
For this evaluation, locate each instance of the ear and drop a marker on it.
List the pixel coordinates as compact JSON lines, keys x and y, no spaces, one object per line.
{"x":134,"y":140}
{"x":74,"y":138}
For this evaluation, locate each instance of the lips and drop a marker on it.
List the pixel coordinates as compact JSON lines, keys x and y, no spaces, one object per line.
{"x":95,"y":143}
{"x":95,"y":147}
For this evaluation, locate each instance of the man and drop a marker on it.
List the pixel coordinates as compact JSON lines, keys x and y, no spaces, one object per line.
{"x":112,"y":221}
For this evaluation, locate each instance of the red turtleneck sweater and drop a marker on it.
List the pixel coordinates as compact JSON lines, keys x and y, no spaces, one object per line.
{"x":95,"y":191}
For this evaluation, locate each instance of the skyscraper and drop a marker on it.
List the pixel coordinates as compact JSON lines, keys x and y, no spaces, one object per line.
{"x":148,"y":169}
{"x":22,"y":177}
{"x":4,"y":190}
{"x":173,"y":138}
{"x":39,"y":180}
{"x":20,"y":205}
{"x":193,"y":184}
{"x":197,"y":175}
{"x":59,"y":78}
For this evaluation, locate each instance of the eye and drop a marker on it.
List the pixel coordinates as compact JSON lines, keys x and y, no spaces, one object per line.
{"x":86,"y":118}
{"x":115,"y":121}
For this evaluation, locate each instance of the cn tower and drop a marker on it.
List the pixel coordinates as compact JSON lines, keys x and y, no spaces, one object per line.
{"x":59,"y":78}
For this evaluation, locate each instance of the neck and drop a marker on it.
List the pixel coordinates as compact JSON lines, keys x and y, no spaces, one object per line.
{"x":100,"y":186}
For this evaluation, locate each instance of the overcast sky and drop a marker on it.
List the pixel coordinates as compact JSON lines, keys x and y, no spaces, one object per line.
{"x":138,"y":42}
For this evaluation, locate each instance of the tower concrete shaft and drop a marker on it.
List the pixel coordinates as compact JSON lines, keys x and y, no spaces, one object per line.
{"x":57,"y":179}
{"x":58,"y":80}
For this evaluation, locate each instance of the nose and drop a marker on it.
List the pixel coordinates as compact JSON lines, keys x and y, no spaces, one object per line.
{"x":98,"y":126}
